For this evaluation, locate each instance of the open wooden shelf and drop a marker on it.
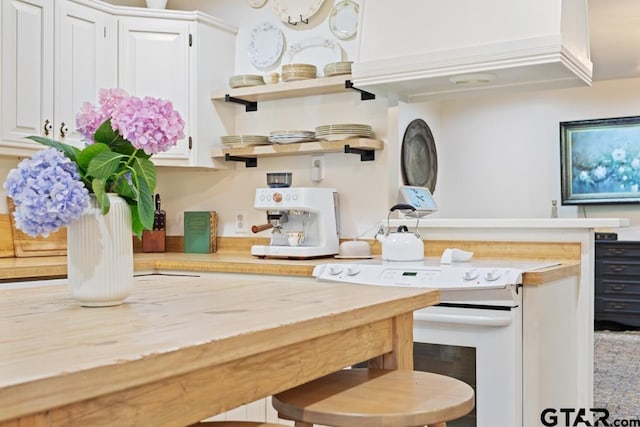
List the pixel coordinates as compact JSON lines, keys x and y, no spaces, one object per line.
{"x":283,"y":90}
{"x":363,"y":146}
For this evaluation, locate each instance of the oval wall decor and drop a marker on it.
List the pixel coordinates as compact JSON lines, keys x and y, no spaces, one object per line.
{"x":419,"y":159}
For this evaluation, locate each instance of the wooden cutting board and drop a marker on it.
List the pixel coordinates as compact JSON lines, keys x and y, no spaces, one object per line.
{"x":27,"y":246}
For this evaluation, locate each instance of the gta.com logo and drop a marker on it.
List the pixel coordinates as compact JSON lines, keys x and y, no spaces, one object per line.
{"x":565,"y":417}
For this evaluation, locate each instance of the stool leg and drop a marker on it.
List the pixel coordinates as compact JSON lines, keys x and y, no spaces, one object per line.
{"x":438,"y":425}
{"x":303,"y":424}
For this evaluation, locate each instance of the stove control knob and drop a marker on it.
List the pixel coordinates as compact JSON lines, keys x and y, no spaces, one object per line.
{"x":277,"y":197}
{"x":492,"y":275}
{"x":353,"y":270}
{"x":470,"y":274}
{"x":335,"y":269}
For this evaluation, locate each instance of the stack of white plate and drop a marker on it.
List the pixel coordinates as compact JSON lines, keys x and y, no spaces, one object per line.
{"x":343,"y":131}
{"x":337,"y":68}
{"x":244,"y":80}
{"x":292,"y":72}
{"x":290,"y":136}
{"x":235,"y":141}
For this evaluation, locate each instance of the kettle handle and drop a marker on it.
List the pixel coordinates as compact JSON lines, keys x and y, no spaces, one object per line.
{"x":404,"y":206}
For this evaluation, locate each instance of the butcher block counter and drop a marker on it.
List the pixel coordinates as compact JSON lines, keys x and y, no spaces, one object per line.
{"x":14,"y":269}
{"x":183,"y":348}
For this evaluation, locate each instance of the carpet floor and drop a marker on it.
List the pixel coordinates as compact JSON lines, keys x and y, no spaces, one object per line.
{"x":617,"y":373}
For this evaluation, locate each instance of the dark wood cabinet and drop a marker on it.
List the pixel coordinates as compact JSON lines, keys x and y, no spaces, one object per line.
{"x":617,"y":282}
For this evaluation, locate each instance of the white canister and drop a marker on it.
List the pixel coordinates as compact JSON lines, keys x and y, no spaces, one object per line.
{"x":156,"y":4}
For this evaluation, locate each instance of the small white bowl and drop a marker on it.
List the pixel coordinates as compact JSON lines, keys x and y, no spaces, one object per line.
{"x":355,"y":248}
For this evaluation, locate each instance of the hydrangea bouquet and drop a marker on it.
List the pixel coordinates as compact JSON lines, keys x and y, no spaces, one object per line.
{"x":53,"y":187}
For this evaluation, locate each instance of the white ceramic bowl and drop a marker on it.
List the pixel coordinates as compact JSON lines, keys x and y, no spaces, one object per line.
{"x":355,"y":248}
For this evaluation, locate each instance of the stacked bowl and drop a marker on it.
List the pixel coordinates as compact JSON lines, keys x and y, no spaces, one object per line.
{"x":336,"y":132}
{"x":245,"y":80}
{"x":291,"y":72}
{"x":337,"y":68}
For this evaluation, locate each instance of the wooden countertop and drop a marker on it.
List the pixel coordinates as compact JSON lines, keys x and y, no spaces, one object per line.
{"x":15,"y":269}
{"x":183,"y":348}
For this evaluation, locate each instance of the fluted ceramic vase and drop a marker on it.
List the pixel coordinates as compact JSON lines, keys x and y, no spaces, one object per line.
{"x":100,"y":255}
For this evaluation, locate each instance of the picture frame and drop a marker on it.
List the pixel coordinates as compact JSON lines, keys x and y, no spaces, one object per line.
{"x":600,"y":161}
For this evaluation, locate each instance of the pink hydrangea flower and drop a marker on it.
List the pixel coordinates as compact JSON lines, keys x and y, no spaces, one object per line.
{"x":88,"y":120}
{"x":110,"y":98}
{"x":150,"y":124}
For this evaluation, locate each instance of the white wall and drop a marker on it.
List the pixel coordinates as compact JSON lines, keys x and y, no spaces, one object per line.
{"x":498,"y":155}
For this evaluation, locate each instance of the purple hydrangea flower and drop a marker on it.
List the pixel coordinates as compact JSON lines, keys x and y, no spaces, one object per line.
{"x":47,"y":193}
{"x":151,"y":124}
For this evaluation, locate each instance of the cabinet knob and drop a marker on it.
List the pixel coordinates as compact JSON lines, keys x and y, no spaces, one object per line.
{"x":617,"y":268}
{"x":63,"y":130}
{"x":616,"y":306}
{"x":617,"y":287}
{"x":46,"y":128}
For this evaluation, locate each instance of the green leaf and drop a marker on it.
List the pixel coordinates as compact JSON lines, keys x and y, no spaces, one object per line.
{"x":69,"y":150}
{"x":145,"y":204}
{"x":89,"y":152}
{"x":145,"y":170}
{"x":101,"y":195}
{"x":105,"y":164}
{"x":136,"y":224}
{"x":124,"y":189}
{"x":107,"y":135}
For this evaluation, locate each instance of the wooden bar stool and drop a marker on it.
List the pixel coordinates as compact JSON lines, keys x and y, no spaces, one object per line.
{"x":376,"y":397}
{"x":235,"y":424}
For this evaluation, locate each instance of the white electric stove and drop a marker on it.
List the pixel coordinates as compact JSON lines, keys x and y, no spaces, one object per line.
{"x":474,"y":334}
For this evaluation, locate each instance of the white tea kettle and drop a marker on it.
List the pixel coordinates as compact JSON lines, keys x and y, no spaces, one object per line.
{"x":401,"y":245}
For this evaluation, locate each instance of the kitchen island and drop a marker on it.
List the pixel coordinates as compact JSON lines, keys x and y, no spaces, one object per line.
{"x":183,"y":348}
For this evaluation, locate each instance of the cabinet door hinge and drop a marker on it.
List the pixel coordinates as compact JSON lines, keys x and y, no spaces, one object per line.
{"x":190,"y":40}
{"x":105,"y":32}
{"x":190,"y":143}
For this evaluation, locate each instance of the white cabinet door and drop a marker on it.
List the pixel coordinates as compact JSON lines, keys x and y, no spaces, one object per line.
{"x":86,"y":61}
{"x":27,"y":71}
{"x":155,"y":61}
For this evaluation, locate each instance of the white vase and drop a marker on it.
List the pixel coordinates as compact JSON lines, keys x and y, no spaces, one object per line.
{"x":100,"y":255}
{"x":156,"y":4}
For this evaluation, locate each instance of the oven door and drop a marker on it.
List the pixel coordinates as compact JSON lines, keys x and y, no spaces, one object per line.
{"x":480,"y":346}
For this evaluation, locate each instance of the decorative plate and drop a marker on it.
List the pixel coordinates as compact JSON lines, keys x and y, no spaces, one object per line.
{"x":343,"y":19}
{"x":294,"y":11}
{"x":419,"y":157}
{"x":317,"y":51}
{"x":265,"y":45}
{"x":256,"y":3}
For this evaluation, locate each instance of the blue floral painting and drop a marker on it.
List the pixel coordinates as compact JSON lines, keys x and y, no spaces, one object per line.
{"x":604,"y":161}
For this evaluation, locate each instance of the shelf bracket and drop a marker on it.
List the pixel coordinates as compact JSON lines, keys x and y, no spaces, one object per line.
{"x":248,"y":105}
{"x":365,"y":155}
{"x":364,"y":95}
{"x":249,"y":162}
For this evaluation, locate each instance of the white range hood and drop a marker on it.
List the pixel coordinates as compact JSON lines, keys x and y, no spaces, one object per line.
{"x":421,"y":50}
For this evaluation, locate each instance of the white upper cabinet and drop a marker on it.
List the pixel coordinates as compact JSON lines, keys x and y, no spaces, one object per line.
{"x":58,"y":54}
{"x":154,"y":61}
{"x":181,"y":56}
{"x":55,"y":56}
{"x":424,"y":50}
{"x":27,"y":72}
{"x":86,"y":61}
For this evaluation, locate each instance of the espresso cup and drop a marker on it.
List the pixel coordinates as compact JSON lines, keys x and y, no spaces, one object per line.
{"x":295,"y":238}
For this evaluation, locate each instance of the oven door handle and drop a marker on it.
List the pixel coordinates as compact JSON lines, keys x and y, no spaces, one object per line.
{"x":497,"y":320}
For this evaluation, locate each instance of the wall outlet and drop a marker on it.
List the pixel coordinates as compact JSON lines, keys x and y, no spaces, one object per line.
{"x":317,"y":168}
{"x":242,"y":226}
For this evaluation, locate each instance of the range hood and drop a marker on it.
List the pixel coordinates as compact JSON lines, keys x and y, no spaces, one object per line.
{"x":420,"y":50}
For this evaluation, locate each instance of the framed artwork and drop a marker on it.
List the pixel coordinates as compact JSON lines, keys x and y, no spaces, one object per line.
{"x":600,"y":161}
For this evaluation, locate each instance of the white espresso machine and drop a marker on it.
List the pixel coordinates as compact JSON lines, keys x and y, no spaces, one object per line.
{"x":303,"y":222}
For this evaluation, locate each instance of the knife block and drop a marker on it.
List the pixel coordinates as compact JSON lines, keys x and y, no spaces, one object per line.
{"x":153,"y":240}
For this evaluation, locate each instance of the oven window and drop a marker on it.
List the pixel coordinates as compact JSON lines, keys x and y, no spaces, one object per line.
{"x":453,"y":361}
